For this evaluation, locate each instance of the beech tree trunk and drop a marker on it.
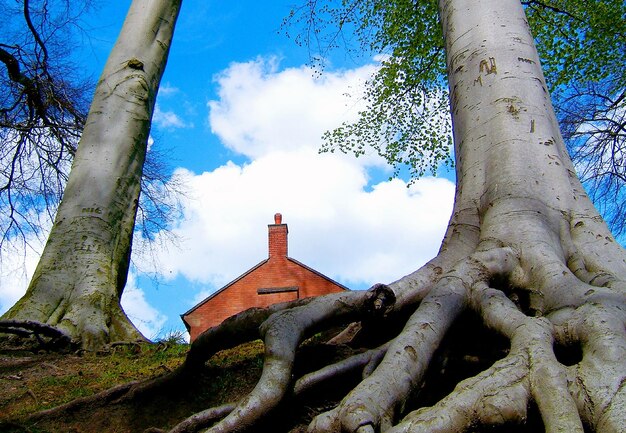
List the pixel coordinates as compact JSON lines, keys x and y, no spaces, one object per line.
{"x":525,"y":249}
{"x":81,"y":274}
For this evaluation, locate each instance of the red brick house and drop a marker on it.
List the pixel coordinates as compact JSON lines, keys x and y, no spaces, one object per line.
{"x":279,"y":278}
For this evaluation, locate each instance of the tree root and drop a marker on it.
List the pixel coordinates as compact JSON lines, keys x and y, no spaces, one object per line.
{"x":366,"y":361}
{"x":47,"y":337}
{"x":301,"y":386}
{"x":203,"y":418}
{"x":483,"y":399}
{"x":283,"y":332}
{"x":529,"y":375}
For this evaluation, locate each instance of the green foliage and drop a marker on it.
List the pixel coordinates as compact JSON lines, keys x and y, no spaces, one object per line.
{"x":579,"y":40}
{"x":406,"y":119}
{"x":419,"y":141}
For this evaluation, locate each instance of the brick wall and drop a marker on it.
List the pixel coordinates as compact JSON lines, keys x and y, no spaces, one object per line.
{"x":296,"y":281}
{"x":277,"y":240}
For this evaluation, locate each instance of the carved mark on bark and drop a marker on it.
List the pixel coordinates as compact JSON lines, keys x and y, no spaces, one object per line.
{"x":95,"y":210}
{"x":135,"y":64}
{"x":488,"y":67}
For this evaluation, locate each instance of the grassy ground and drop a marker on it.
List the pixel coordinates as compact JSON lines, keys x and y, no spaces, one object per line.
{"x":33,"y":382}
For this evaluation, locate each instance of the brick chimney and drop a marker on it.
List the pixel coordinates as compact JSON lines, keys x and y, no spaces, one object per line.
{"x":277,"y":234}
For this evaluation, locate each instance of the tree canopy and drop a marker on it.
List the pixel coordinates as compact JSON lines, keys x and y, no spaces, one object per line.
{"x":581,"y":47}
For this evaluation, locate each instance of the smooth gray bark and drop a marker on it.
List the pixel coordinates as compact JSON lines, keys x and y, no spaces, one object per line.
{"x":81,"y":274}
{"x":520,"y":214}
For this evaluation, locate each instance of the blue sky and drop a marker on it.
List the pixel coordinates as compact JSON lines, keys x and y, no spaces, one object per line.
{"x":241,"y":116}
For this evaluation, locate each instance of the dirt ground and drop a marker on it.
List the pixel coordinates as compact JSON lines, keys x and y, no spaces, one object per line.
{"x":34,"y":382}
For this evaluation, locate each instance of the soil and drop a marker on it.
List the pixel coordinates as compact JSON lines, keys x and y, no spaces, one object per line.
{"x":35,"y":382}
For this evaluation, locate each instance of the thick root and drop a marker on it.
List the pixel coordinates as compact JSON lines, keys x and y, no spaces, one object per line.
{"x":495,"y":396}
{"x":530,"y":375}
{"x":47,"y":337}
{"x":282,"y":334}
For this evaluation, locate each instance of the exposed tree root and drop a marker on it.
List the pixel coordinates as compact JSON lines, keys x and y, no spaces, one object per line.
{"x":589,"y":391}
{"x":47,"y":337}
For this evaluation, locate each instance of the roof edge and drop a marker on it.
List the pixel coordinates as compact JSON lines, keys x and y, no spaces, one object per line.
{"x":217,"y":292}
{"x":318,"y":273}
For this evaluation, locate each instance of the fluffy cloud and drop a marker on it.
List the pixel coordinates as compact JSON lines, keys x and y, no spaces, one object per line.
{"x":337,"y":225}
{"x":143,"y":315}
{"x":262,"y":109}
{"x":343,"y":222}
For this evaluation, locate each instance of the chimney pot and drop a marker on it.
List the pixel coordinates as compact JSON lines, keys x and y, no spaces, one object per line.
{"x":278,"y":218}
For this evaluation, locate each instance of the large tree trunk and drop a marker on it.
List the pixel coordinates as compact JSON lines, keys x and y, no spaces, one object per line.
{"x":525,"y":249}
{"x":80,"y":277}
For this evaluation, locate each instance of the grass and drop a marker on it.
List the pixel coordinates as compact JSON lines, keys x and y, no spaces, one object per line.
{"x":31,"y":383}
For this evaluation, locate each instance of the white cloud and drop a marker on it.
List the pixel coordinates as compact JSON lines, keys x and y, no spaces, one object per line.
{"x":341,"y":223}
{"x":337,"y":226}
{"x":262,"y":109}
{"x":143,"y":315}
{"x":167,"y":119}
